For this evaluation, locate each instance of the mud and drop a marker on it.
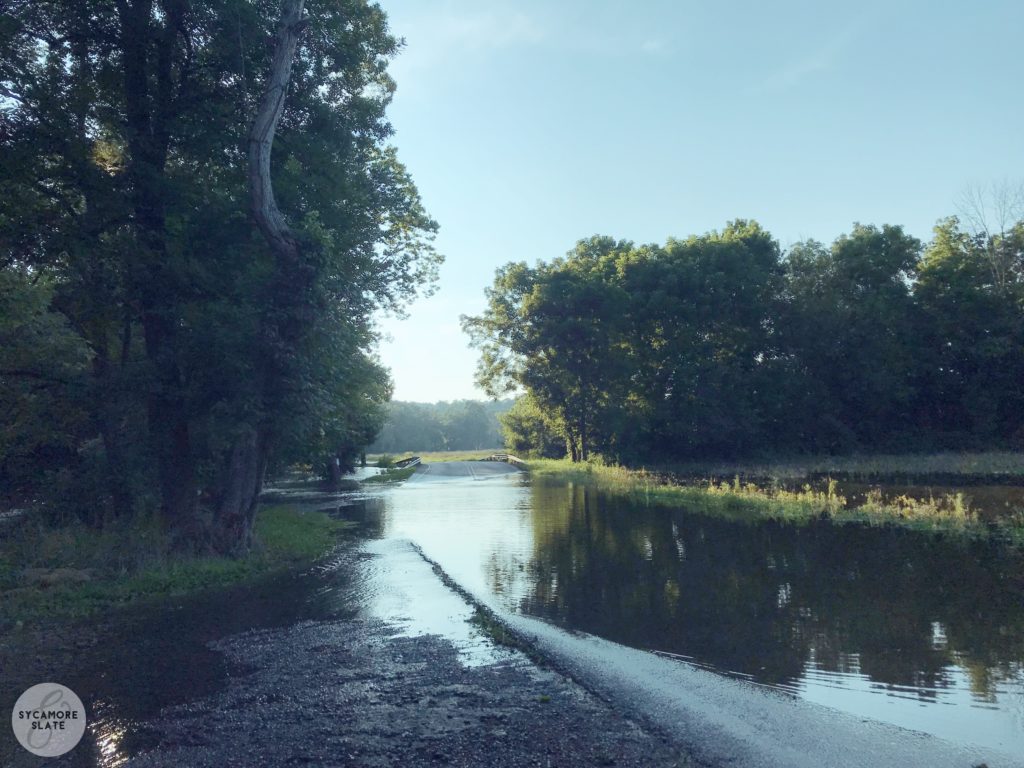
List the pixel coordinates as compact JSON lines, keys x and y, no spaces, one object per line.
{"x":350,"y":693}
{"x":366,"y":660}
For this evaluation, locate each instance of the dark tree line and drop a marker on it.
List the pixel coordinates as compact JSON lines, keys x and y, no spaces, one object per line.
{"x":722,"y":345}
{"x":461,"y":425}
{"x":181,"y":307}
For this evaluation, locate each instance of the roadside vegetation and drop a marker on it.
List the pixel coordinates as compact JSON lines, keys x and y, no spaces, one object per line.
{"x":429,"y":457}
{"x":739,"y":500}
{"x":960,"y":468}
{"x":392,"y":475}
{"x":174,"y":318}
{"x":724,"y":346}
{"x":76,"y":570}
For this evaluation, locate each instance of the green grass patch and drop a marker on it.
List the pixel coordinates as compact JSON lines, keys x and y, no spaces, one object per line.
{"x":954,"y":466}
{"x":393,"y":475}
{"x":430,"y":457}
{"x":75,"y":571}
{"x":746,"y":501}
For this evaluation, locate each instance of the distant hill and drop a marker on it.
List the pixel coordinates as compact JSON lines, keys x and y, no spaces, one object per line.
{"x":460,"y":425}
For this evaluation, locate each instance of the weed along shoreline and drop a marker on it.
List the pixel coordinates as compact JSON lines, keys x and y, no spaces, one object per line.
{"x":774,"y":497}
{"x":52,"y":574}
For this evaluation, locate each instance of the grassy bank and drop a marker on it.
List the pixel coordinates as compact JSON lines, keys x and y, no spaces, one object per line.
{"x":393,"y":475}
{"x":739,"y":500}
{"x":430,"y":457}
{"x":953,"y":467}
{"x":74,"y":571}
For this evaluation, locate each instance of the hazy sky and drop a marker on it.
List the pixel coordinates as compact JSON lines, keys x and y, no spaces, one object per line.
{"x":529,"y":125}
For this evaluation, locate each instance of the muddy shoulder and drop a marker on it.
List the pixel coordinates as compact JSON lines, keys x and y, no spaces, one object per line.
{"x":254,"y":676}
{"x":350,"y":693}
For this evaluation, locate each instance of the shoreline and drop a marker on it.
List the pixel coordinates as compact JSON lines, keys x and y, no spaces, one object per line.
{"x":376,"y":656}
{"x":75,"y":572}
{"x":374,"y":662}
{"x":744,"y":501}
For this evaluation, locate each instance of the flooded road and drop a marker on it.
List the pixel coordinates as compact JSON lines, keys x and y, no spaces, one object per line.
{"x":920,"y":631}
{"x":727,"y":636}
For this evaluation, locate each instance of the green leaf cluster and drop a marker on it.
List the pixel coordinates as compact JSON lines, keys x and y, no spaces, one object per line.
{"x":722,"y":345}
{"x":147,"y":328}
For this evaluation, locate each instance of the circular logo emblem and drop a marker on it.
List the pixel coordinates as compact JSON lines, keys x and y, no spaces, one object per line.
{"x":48,"y":719}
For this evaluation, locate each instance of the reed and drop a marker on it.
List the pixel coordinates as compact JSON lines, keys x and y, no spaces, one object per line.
{"x":744,"y":500}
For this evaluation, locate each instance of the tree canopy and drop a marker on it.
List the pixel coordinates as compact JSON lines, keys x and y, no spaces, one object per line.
{"x":190,"y":355}
{"x":723,"y":345}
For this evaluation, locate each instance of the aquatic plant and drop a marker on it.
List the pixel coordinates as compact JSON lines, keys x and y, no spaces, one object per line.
{"x":737,"y":499}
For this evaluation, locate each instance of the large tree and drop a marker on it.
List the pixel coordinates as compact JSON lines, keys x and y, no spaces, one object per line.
{"x":125,"y":148}
{"x":973,"y":340}
{"x":852,"y":325}
{"x":555,"y":332}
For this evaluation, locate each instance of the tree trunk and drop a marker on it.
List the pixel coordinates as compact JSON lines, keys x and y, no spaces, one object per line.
{"x":148,"y":124}
{"x":334,"y":472}
{"x":232,"y":533}
{"x":283,"y":323}
{"x":261,"y":139}
{"x":572,"y":445}
{"x":583,"y":438}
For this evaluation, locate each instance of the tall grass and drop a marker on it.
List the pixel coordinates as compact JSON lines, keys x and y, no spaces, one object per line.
{"x":737,"y":499}
{"x":393,"y":475}
{"x":983,"y":465}
{"x":435,"y":456}
{"x":94,"y":570}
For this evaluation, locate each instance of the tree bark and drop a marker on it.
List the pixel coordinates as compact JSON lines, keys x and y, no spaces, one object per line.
{"x":148,"y":118}
{"x":283,"y":322}
{"x":261,"y":138}
{"x":247,"y":462}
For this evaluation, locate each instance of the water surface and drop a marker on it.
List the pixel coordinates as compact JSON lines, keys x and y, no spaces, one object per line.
{"x":919,"y":630}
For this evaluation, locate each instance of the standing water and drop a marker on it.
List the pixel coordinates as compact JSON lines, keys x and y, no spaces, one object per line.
{"x":919,"y":630}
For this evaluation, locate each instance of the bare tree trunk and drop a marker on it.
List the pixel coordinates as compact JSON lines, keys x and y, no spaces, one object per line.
{"x":334,"y":472}
{"x":240,"y":494}
{"x":243,"y":481}
{"x":261,"y":137}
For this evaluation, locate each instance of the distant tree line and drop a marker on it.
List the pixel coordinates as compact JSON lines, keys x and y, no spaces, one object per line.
{"x":722,"y":345}
{"x":171,"y":322}
{"x":461,"y":425}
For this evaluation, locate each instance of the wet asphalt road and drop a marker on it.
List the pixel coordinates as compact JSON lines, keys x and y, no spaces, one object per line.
{"x":404,"y":680}
{"x":461,"y":470}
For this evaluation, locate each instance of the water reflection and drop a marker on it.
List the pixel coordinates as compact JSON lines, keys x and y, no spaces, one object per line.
{"x":814,"y":609}
{"x":758,"y":599}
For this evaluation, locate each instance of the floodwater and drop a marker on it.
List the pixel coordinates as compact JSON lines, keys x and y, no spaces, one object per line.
{"x":922,"y":631}
{"x":916,"y":630}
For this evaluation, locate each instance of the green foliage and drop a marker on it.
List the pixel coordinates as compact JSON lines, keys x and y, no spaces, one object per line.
{"x":974,"y":335}
{"x":746,"y":501}
{"x":721,"y":346}
{"x":392,"y":475}
{"x":529,"y":430}
{"x":134,"y":560}
{"x":43,"y":386}
{"x":142,"y":312}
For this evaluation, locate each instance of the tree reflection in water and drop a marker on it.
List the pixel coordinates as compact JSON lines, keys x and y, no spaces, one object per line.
{"x":774,"y":601}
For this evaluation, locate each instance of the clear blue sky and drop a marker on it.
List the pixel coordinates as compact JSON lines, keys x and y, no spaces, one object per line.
{"x":529,"y":125}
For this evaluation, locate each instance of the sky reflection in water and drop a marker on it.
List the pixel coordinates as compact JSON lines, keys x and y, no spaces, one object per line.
{"x":921,"y":631}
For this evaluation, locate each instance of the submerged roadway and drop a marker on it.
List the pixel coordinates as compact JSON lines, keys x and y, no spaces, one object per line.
{"x":461,"y":470}
{"x":718,"y":720}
